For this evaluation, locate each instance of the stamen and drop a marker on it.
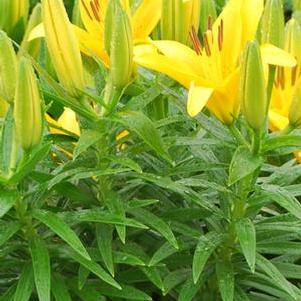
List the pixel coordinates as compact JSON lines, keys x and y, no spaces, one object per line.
{"x":206,"y":45}
{"x":95,"y":11}
{"x":294,"y":75}
{"x":282,"y":78}
{"x":86,"y":9}
{"x":209,"y":23}
{"x":195,"y":41}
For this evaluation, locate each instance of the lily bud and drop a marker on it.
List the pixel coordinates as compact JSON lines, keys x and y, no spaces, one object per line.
{"x":8,"y":68}
{"x":272,"y":30}
{"x":252,"y":86}
{"x":294,"y":115}
{"x":33,"y":46}
{"x":109,"y":24}
{"x":121,"y":49}
{"x":293,"y":38}
{"x":179,"y":17}
{"x":63,"y":46}
{"x":208,"y":14}
{"x":27,"y":107}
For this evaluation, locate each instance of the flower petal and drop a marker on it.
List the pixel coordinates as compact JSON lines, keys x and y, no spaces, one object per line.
{"x":145,"y":18}
{"x":277,"y":121}
{"x":273,"y":55}
{"x":197,"y":99}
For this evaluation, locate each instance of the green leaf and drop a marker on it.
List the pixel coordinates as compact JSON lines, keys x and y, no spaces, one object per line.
{"x":205,"y":247}
{"x":126,"y":293}
{"x":100,"y":216}
{"x":41,"y":267}
{"x":173,"y":279}
{"x":284,"y":199}
{"x":190,"y":289}
{"x":156,"y":223}
{"x":104,"y":237}
{"x":275,"y":276}
{"x":7,"y":200}
{"x":86,"y":139}
{"x":163,"y":252}
{"x":7,"y":230}
{"x":25,"y":284}
{"x":225,"y":278}
{"x":26,"y":167}
{"x":153,"y":275}
{"x":59,"y":288}
{"x":145,"y":129}
{"x":243,"y":163}
{"x":140,"y":203}
{"x":247,"y":238}
{"x":83,"y":275}
{"x":94,"y":268}
{"x":289,"y":142}
{"x":116,"y":206}
{"x":59,"y":227}
{"x":125,"y":161}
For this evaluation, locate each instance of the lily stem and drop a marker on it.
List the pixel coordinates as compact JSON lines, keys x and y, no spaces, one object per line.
{"x":256,"y":142}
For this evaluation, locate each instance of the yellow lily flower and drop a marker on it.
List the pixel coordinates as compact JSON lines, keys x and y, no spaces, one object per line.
{"x":211,"y":71}
{"x":93,"y":12}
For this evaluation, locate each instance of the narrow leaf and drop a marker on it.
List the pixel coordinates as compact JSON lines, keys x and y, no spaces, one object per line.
{"x":7,"y":200}
{"x":25,"y":284}
{"x":41,"y":268}
{"x":62,"y":230}
{"x":205,"y":247}
{"x":247,"y":238}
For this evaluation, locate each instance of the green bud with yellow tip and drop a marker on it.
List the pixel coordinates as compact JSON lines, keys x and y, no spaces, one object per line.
{"x":8,"y":68}
{"x":179,"y":18}
{"x":252,"y":90}
{"x":63,"y":46}
{"x":272,"y":25}
{"x":27,"y":107}
{"x":207,"y":14}
{"x":121,"y":49}
{"x":109,"y":24}
{"x":293,"y":38}
{"x":294,"y":115}
{"x":33,"y":46}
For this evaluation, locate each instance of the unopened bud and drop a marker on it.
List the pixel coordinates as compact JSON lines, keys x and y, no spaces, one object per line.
{"x":27,"y":107}
{"x":294,"y":115}
{"x":293,"y":38}
{"x":252,"y":86}
{"x":63,"y":46}
{"x":208,"y":14}
{"x":8,"y":68}
{"x":121,"y":49}
{"x":179,"y":17}
{"x":33,"y":46}
{"x":272,"y":30}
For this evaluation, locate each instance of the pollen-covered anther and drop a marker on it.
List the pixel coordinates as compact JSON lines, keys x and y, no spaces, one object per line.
{"x":294,"y":75}
{"x":206,"y":44}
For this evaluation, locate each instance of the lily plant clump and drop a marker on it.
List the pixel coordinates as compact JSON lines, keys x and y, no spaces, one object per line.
{"x":150,"y":150}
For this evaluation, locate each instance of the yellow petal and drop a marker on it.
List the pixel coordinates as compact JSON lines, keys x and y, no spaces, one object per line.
{"x":197,"y":99}
{"x":231,"y":21}
{"x":146,"y":18}
{"x":37,"y":32}
{"x":176,"y":50}
{"x":174,"y":68}
{"x":275,"y":56}
{"x":224,"y":102}
{"x":277,"y":121}
{"x":251,"y":11}
{"x":68,"y":121}
{"x":91,"y":46}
